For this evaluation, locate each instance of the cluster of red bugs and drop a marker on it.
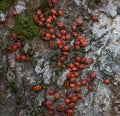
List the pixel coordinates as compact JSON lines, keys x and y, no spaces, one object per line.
{"x":60,"y":37}
{"x":71,"y":98}
{"x":17,"y":45}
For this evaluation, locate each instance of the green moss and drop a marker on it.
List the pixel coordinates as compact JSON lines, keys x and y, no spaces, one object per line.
{"x":97,"y":1}
{"x":82,"y":50}
{"x":33,"y":111}
{"x":87,"y":19}
{"x":42,"y":112}
{"x":30,"y":52}
{"x":1,"y":70}
{"x":6,"y":4}
{"x":44,"y":6}
{"x":25,"y":27}
{"x":54,"y":57}
{"x":18,"y":100}
{"x":80,"y":29}
{"x":13,"y":87}
{"x":57,"y":72}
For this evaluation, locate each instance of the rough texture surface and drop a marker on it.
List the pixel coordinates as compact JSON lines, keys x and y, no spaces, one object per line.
{"x":17,"y":78}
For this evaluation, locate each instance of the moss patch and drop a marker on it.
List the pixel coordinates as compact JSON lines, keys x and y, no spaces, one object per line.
{"x":6,"y":4}
{"x":25,"y":27}
{"x":1,"y":70}
{"x":13,"y":87}
{"x":97,"y":2}
{"x":44,"y":6}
